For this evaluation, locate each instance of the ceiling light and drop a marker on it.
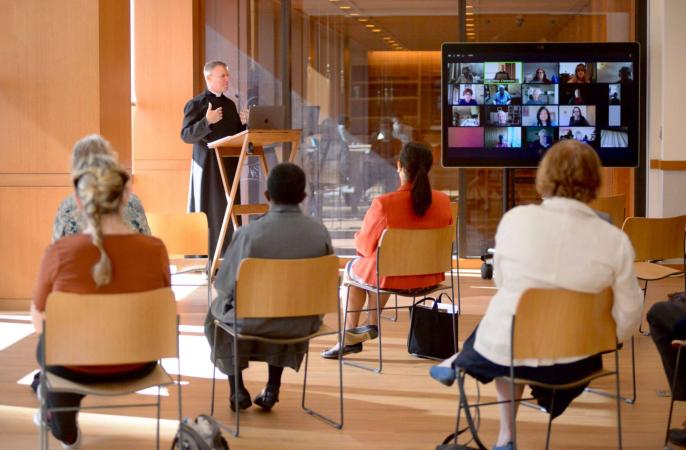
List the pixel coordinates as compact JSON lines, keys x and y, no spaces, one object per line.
{"x":369,"y":25}
{"x":362,"y":19}
{"x":345,"y":7}
{"x":376,"y":30}
{"x":354,"y":14}
{"x":386,"y":38}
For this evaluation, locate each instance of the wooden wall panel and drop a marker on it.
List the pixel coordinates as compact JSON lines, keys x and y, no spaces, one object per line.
{"x":163,"y":191}
{"x":164,"y":77}
{"x":65,"y":73}
{"x":50,"y":82}
{"x":26,"y":217}
{"x":115,"y":76}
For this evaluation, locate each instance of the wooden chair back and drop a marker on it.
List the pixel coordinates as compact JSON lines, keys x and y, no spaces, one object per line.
{"x":614,"y":205}
{"x":404,"y":252}
{"x":182,"y":233}
{"x":453,"y":213}
{"x":104,"y":329}
{"x":269,"y":288}
{"x":656,"y":238}
{"x":557,"y":323}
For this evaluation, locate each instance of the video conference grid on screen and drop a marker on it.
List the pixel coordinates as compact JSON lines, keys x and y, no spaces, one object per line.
{"x":514,"y":104}
{"x":518,"y":109}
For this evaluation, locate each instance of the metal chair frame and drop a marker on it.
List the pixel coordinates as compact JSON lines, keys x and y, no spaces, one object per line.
{"x":464,"y":404}
{"x":377,"y":289}
{"x":231,"y":330}
{"x":89,"y":390}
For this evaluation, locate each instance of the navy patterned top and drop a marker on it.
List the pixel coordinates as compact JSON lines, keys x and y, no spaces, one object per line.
{"x":70,"y":221}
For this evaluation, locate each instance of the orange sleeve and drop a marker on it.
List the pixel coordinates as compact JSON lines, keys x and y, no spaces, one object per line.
{"x":46,"y":278}
{"x":373,"y":226}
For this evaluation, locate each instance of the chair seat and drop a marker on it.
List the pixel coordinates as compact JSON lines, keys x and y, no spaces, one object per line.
{"x":651,"y":271}
{"x":600,"y":373}
{"x":322,"y":331}
{"x":158,"y":377}
{"x":429,"y":290}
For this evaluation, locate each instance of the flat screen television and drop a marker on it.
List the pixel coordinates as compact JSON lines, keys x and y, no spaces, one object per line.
{"x":504,"y":105}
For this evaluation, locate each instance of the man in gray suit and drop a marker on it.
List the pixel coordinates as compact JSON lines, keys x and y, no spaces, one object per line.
{"x":284,"y":232}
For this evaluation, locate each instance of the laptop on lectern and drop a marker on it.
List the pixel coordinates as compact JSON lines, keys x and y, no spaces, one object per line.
{"x":266,"y":118}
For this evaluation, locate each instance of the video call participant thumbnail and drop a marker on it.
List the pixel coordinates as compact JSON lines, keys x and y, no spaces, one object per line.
{"x":539,"y":94}
{"x":539,"y":116}
{"x":614,"y":138}
{"x":614,"y":94}
{"x":581,"y":72}
{"x":503,"y":137}
{"x":466,"y":116}
{"x":466,"y":137}
{"x":537,"y":73}
{"x":466,"y":73}
{"x":587,"y":135}
{"x":502,"y":116}
{"x":503,"y":72}
{"x":539,"y":138}
{"x":615,"y":72}
{"x":503,"y":94}
{"x":470,"y":94}
{"x":578,"y":116}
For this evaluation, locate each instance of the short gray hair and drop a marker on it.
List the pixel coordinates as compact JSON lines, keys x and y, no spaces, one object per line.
{"x":210,"y":65}
{"x":87,"y":147}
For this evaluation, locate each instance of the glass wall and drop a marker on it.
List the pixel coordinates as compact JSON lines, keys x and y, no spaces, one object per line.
{"x":365,"y":78}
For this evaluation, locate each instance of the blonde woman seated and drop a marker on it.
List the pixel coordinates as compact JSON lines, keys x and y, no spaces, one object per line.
{"x":413,"y":205}
{"x":108,"y":258}
{"x":68,"y":219}
{"x":561,"y":243}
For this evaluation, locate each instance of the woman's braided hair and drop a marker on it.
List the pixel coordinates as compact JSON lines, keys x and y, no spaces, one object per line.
{"x":100,"y":185}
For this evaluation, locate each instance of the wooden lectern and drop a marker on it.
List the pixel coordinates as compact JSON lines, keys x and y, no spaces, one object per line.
{"x":241,"y":145}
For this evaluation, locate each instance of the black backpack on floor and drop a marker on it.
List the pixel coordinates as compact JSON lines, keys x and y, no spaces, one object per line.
{"x":203,"y":433}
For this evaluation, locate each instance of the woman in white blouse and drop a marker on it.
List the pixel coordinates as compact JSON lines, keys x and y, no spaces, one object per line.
{"x":561,"y":243}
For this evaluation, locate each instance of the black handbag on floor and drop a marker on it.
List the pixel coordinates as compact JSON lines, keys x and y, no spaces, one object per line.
{"x":431,"y":329}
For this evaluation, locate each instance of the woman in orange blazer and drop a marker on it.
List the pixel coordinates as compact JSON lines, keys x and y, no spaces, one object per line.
{"x":413,"y":205}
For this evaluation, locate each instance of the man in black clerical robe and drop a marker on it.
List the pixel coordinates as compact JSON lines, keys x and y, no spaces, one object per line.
{"x":207,"y":117}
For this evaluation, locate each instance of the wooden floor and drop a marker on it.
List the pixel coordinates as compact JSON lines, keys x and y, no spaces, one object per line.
{"x":402,"y":408}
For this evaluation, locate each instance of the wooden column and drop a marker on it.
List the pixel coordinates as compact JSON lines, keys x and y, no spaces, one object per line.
{"x":65,"y":74}
{"x":165,"y":76}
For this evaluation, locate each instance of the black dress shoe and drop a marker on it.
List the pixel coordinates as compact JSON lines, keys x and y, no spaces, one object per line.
{"x":267,"y":398}
{"x":361,"y":334}
{"x":244,"y":401}
{"x":677,"y":436}
{"x":332,"y":353}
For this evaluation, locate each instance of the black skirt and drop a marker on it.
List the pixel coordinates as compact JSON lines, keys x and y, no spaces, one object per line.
{"x":485,"y":371}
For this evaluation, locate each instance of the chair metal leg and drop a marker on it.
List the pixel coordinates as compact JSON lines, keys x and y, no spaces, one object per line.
{"x":550,"y":421}
{"x":323,"y":418}
{"x":628,"y":400}
{"x":618,"y":400}
{"x":640,"y":325}
{"x":178,"y":388}
{"x":342,"y":342}
{"x":393,"y":318}
{"x":157,"y":427}
{"x":671,"y":402}
{"x":44,"y":437}
{"x":214,"y":368}
{"x":513,"y":410}
{"x":236,"y":374}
